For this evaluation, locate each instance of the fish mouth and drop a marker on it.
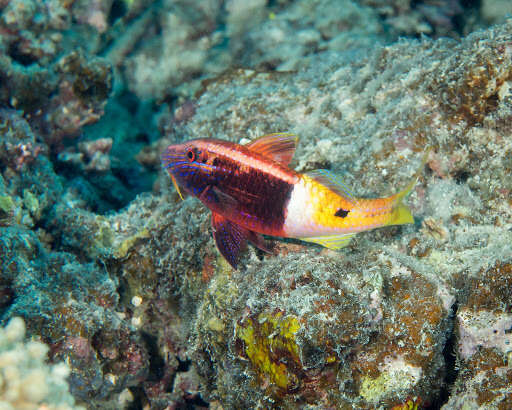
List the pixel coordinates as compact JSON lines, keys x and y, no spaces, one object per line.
{"x":172,"y":157}
{"x":172,"y":160}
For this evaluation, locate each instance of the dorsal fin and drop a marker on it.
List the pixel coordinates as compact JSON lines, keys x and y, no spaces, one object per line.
{"x":279,"y":146}
{"x":333,"y":182}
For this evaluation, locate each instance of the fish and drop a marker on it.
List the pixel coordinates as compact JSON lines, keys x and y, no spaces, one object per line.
{"x":251,"y":191}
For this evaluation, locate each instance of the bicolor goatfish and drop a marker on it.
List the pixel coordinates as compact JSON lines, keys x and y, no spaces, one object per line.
{"x":251,"y":191}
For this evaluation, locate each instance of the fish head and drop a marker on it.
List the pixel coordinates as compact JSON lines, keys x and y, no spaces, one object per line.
{"x":189,"y":166}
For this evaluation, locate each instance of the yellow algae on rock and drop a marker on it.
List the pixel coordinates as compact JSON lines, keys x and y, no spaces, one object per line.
{"x":127,"y":244}
{"x":270,"y":345}
{"x":397,"y":375}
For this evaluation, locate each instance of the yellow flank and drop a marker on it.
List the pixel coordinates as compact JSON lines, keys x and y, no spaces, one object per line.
{"x":363,"y":214}
{"x":328,"y":218}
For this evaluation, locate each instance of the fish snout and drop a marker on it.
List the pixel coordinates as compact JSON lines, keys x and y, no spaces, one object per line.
{"x":172,"y":156}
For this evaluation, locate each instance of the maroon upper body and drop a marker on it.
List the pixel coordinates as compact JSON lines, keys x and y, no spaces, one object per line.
{"x":232,"y":180}
{"x":247,"y":187}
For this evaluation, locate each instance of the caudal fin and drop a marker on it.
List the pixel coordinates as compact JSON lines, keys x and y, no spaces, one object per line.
{"x":401,"y":213}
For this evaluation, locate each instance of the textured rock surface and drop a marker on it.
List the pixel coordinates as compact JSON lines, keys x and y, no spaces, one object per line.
{"x":399,"y":321}
{"x":138,"y":302}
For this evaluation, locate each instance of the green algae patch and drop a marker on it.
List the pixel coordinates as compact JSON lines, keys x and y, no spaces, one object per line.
{"x":6,"y":204}
{"x":103,"y":237}
{"x":30,"y":202}
{"x":271,"y":347}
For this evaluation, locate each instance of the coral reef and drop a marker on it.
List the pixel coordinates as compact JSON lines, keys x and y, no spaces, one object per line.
{"x":121,"y":279}
{"x":27,"y":382}
{"x":252,"y":327}
{"x":48,"y":287}
{"x":305,"y":28}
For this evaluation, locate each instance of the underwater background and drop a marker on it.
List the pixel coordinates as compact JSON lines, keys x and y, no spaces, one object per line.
{"x":112,"y":293}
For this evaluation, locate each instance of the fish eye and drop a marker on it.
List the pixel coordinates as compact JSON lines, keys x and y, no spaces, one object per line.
{"x":191,"y":155}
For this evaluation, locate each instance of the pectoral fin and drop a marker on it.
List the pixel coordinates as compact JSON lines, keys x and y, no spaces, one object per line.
{"x":217,"y":200}
{"x":331,"y":241}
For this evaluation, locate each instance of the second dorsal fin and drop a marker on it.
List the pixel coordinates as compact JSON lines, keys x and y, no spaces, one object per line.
{"x":279,"y":146}
{"x":333,"y":182}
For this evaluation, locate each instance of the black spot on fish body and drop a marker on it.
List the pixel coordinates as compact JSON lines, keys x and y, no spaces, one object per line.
{"x":342,"y":213}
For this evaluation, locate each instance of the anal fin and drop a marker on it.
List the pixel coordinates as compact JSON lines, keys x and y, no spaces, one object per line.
{"x":257,"y":240}
{"x":336,"y":241}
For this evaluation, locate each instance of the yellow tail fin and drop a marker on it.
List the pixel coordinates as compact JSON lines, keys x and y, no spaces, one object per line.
{"x":401,"y":215}
{"x":401,"y":212}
